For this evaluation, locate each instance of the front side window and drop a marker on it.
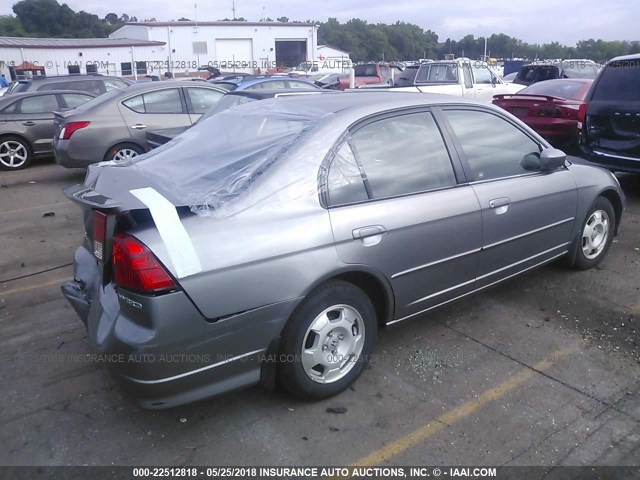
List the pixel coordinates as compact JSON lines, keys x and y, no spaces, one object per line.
{"x":113,"y":83}
{"x":39,"y":104}
{"x":74,"y":100}
{"x":493,"y":147}
{"x":403,"y":154}
{"x":202,"y":99}
{"x":482,"y":75}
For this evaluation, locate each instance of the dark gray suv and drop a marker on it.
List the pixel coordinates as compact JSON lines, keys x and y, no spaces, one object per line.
{"x":94,"y":84}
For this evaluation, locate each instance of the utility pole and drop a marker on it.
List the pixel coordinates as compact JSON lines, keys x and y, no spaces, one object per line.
{"x":233,"y":8}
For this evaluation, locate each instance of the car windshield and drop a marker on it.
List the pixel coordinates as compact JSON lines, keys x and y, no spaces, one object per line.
{"x":218,"y":159}
{"x":555,"y":88}
{"x":619,"y":81}
{"x":99,"y":100}
{"x":538,"y":73}
{"x":579,"y":69}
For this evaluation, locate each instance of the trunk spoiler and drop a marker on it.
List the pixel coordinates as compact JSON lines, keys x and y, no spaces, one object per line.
{"x":524,"y":96}
{"x":88,"y":197}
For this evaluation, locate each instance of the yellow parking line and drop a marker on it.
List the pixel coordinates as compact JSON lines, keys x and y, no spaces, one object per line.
{"x":27,"y":288}
{"x":405,"y":442}
{"x":26,"y":209}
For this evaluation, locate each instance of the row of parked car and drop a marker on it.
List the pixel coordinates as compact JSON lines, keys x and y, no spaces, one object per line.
{"x":90,"y":118}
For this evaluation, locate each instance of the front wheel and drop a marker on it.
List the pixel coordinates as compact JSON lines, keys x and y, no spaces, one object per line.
{"x":596,"y":235}
{"x":327,"y":341}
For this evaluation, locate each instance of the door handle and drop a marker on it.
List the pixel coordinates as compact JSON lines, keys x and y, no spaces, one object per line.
{"x":500,"y":205}
{"x":499,"y":202}
{"x":369,"y":231}
{"x":29,"y":123}
{"x":138,"y":126}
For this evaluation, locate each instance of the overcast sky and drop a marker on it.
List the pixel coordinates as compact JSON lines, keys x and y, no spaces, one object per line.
{"x":535,"y":21}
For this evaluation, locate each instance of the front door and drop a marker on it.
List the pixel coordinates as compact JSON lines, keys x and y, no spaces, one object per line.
{"x":527,"y":215}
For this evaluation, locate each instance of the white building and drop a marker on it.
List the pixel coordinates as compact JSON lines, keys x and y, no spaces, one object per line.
{"x":61,"y":56}
{"x":154,"y":48}
{"x":253,"y":47}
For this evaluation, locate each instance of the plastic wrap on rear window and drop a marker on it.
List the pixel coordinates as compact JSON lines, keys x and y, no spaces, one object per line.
{"x":256,"y":156}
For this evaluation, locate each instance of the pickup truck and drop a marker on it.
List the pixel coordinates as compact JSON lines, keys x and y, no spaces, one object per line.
{"x":461,"y":77}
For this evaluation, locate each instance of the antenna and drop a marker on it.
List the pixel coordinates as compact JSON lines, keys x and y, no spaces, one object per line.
{"x":233,"y":8}
{"x":264,"y":13}
{"x":195,"y":16}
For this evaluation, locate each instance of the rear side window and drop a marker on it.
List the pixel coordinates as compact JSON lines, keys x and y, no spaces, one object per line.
{"x":159,"y":101}
{"x":403,"y":154}
{"x":437,"y":73}
{"x":493,"y":147}
{"x":39,"y":104}
{"x":619,"y":81}
{"x":345,"y":183}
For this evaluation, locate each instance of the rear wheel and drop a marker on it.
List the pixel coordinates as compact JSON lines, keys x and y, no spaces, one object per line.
{"x":596,"y":234}
{"x":327,"y":341}
{"x":123,"y":151}
{"x":15,"y":153}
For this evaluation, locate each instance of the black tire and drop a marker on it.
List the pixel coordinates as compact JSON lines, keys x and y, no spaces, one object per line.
{"x":292,"y":375}
{"x":111,"y":153}
{"x":582,"y":261}
{"x":11,"y":142}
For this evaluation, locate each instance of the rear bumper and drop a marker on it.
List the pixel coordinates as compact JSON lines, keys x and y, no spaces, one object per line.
{"x":65,"y":159}
{"x":161,"y":349}
{"x":612,"y":161}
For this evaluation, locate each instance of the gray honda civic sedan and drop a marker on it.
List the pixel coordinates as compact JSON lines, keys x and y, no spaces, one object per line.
{"x":273,"y":251}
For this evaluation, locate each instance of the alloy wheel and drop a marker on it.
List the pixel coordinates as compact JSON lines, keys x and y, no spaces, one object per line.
{"x":333,"y":344}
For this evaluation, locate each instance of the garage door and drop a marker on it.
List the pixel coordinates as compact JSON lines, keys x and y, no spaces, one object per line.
{"x":235,"y":55}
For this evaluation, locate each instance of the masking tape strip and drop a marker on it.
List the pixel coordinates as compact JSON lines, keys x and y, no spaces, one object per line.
{"x":181,"y":250}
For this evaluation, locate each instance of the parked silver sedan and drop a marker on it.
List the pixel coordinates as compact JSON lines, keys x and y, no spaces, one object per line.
{"x":275,"y":249}
{"x":113,"y":125}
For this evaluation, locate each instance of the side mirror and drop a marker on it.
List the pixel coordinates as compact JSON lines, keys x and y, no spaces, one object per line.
{"x":552,"y":158}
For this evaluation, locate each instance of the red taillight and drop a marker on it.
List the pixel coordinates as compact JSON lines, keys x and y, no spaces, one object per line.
{"x":582,"y":112}
{"x":71,"y":127}
{"x":136,"y":268}
{"x":99,"y":234}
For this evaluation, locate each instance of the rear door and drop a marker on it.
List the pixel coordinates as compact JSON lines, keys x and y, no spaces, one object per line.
{"x":396,"y":206}
{"x":161,"y":108}
{"x":527,"y":215}
{"x":33,"y":117}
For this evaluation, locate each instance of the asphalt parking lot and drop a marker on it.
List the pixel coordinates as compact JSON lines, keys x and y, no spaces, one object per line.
{"x":542,"y":370}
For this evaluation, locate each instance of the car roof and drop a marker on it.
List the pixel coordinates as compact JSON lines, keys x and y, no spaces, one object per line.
{"x":271,"y":92}
{"x":634,"y":56}
{"x":359,"y":103}
{"x":253,"y":81}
